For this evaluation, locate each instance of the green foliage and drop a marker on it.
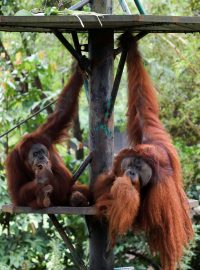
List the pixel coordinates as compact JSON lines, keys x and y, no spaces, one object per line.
{"x":134,"y":244}
{"x":54,"y":259}
{"x":190,"y":260}
{"x":23,"y":12}
{"x":190,"y":157}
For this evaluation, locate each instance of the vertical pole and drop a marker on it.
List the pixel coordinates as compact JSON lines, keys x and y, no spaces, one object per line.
{"x":101,"y":48}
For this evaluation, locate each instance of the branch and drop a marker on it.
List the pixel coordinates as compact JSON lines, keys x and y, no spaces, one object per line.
{"x":193,"y":126}
{"x":179,"y":38}
{"x":76,"y":259}
{"x":143,"y":258}
{"x":7,"y":56}
{"x":172,"y":45}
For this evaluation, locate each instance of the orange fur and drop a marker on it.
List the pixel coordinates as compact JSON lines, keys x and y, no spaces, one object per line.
{"x":163,"y":210}
{"x":124,"y":208}
{"x":101,"y":193}
{"x":23,"y":187}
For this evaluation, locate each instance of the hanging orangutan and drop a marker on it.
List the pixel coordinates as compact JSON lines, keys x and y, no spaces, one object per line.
{"x":37,"y":176}
{"x":144,"y":189}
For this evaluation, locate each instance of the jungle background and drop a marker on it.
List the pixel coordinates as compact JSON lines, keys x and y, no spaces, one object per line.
{"x":33,"y":70}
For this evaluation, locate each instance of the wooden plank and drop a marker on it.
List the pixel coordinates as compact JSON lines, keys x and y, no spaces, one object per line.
{"x":110,"y":19}
{"x":9,"y":208}
{"x":101,"y":45}
{"x":134,"y":29}
{"x":119,"y":23}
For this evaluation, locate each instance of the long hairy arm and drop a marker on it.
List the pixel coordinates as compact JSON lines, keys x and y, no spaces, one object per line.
{"x":58,"y":123}
{"x":143,"y":122}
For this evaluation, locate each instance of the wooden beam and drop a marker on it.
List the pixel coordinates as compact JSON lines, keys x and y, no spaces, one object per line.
{"x":9,"y":208}
{"x":101,"y":47}
{"x":101,"y":51}
{"x":102,"y":6}
{"x":83,"y":63}
{"x":119,"y":23}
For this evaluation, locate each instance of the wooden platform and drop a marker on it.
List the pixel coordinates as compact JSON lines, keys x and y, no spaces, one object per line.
{"x":120,"y":23}
{"x":9,"y":208}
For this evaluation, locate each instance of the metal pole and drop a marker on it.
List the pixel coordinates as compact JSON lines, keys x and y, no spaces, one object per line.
{"x":101,"y":49}
{"x":125,"y":6}
{"x":116,"y":83}
{"x":78,"y":49}
{"x":82,"y":167}
{"x":79,"y":5}
{"x":83,"y":63}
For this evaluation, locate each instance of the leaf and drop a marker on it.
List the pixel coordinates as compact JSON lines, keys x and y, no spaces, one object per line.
{"x":23,"y":12}
{"x":51,"y":11}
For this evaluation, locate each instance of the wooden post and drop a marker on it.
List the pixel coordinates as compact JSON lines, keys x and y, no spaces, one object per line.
{"x":101,"y":49}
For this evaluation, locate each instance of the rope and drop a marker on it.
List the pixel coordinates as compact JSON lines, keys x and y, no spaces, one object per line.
{"x":25,"y":120}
